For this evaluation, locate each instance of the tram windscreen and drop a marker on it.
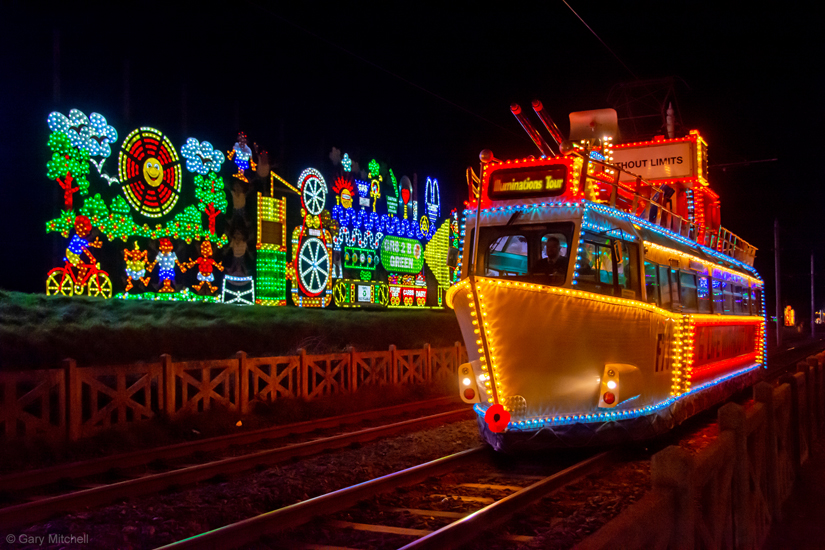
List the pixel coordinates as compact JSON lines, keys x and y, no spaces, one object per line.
{"x":528,"y":252}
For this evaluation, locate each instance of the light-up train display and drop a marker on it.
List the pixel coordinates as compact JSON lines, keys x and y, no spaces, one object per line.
{"x":598,"y":303}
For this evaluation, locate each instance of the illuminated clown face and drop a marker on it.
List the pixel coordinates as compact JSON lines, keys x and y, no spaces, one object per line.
{"x":346,"y":198}
{"x":152,"y":172}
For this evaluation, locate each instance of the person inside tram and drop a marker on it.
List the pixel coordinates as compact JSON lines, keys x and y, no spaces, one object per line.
{"x":555,"y":263}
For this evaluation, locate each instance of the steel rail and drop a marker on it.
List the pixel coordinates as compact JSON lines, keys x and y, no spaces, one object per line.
{"x":74,"y":470}
{"x":470,"y":527}
{"x":31,"y":512}
{"x":250,"y":530}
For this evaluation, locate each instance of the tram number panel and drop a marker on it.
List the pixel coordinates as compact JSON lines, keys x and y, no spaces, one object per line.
{"x":518,"y":183}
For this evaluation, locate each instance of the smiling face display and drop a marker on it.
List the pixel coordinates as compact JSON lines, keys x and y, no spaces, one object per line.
{"x":152,"y":172}
{"x":346,"y":198}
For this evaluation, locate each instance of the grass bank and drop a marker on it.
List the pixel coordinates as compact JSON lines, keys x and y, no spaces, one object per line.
{"x":38,"y":331}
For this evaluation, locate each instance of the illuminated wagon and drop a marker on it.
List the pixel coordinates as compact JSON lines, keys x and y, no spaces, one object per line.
{"x":592,"y":311}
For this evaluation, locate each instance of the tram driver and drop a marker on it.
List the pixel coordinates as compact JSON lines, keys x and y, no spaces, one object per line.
{"x":555,"y":263}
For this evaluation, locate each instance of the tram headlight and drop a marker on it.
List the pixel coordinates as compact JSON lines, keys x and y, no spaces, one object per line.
{"x":468,"y":376}
{"x":611,"y":384}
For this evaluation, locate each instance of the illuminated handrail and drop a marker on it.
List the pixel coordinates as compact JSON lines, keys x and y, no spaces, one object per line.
{"x":721,"y":240}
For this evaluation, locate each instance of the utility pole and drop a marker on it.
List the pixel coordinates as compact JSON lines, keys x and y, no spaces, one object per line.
{"x":813,"y":313}
{"x":778,"y":289}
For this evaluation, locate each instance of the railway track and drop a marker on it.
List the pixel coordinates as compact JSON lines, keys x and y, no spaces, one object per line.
{"x":464,"y":495}
{"x":95,"y":482}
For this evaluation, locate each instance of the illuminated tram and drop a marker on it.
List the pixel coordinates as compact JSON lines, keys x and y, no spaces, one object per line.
{"x":599,"y":305}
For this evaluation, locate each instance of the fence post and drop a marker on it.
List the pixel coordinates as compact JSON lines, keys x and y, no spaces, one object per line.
{"x":393,"y":365}
{"x":808,"y":409}
{"x":813,"y":407}
{"x":428,"y":363}
{"x":763,"y":393}
{"x":796,"y":436}
{"x":671,"y":470}
{"x":353,"y":370}
{"x":168,"y":385}
{"x":243,"y":382}
{"x":74,"y":405}
{"x":732,"y":418}
{"x":302,"y":372}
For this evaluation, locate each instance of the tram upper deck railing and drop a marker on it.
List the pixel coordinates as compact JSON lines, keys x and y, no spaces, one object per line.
{"x":627,"y":199}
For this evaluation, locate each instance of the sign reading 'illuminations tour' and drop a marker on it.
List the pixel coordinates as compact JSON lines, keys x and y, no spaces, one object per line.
{"x":527,"y":182}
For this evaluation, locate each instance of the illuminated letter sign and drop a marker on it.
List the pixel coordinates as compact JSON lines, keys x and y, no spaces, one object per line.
{"x":516,"y":183}
{"x":656,"y":161}
{"x":402,"y":255}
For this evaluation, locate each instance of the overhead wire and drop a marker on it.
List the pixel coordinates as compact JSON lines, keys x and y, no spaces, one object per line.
{"x":379,"y":67}
{"x":619,"y":59}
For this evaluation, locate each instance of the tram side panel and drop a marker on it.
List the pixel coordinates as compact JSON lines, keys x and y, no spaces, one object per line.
{"x":556,"y":348}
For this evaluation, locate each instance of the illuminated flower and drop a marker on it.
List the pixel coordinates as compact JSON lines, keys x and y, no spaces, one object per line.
{"x":497,"y":418}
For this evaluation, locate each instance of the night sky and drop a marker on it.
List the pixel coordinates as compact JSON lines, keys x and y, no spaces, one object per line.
{"x":422,"y":87}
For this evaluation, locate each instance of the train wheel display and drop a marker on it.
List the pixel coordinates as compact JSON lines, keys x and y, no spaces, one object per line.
{"x":339,"y":293}
{"x":382,"y":294}
{"x":314,"y":194}
{"x":313,"y":266}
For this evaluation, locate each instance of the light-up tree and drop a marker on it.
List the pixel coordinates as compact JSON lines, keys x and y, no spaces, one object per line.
{"x":211,"y":197}
{"x":68,"y":166}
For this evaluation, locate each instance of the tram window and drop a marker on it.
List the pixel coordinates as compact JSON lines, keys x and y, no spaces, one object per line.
{"x":555,"y":258}
{"x":651,"y":283}
{"x":703,"y":295}
{"x":687,"y":288}
{"x":717,"y":301}
{"x":728,"y":297}
{"x":519,"y":251}
{"x":757,"y":299}
{"x":665,"y":285}
{"x":596,"y":266}
{"x":507,"y":255}
{"x":740,"y":300}
{"x":628,"y":281}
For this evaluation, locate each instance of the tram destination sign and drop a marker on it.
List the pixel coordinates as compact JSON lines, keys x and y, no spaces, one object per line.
{"x":517,"y":183}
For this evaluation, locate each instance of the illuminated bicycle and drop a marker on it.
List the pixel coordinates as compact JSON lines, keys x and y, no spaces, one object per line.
{"x":72,"y":280}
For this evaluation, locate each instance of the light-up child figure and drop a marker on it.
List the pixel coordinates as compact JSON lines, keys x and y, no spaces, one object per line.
{"x":242,"y":154}
{"x":205,"y":264}
{"x":79,"y":246}
{"x":167,"y":259}
{"x":136,"y":268}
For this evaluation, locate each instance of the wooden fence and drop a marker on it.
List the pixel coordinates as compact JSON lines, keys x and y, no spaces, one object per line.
{"x":76,"y":402}
{"x":728,"y":494}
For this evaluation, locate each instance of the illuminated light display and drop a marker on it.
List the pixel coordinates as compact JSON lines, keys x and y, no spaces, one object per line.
{"x":183,"y":296}
{"x":407,"y":291}
{"x":238,"y":290}
{"x":77,"y":276}
{"x":167,"y":260}
{"x":313,"y":191}
{"x":137,"y":266}
{"x":311,"y":270}
{"x":358,"y":293}
{"x":404,"y":255}
{"x":206,"y":264}
{"x":151,"y":185}
{"x":211,"y":197}
{"x":201,"y":157}
{"x":150,"y":173}
{"x":92,"y":134}
{"x":271,"y":251}
{"x":241,"y":154}
{"x":435,"y":255}
{"x":68,"y":166}
{"x":790,"y":317}
{"x":432,"y":201}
